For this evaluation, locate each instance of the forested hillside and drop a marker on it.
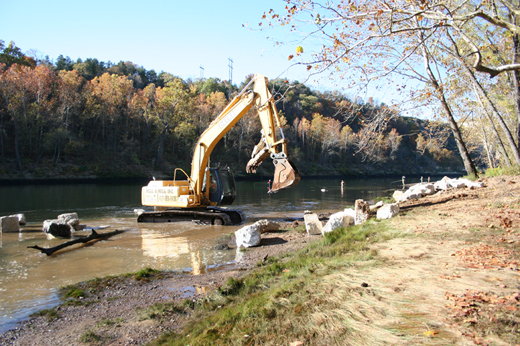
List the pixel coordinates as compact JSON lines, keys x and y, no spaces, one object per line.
{"x":86,"y":118}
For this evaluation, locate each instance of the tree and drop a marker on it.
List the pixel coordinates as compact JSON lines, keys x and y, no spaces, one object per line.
{"x":13,"y":55}
{"x":366,"y":42}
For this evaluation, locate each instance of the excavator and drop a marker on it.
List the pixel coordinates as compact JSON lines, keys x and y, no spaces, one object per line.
{"x":199,"y":196}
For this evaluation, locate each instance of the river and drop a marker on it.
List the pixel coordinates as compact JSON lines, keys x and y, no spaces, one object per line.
{"x":29,"y":280}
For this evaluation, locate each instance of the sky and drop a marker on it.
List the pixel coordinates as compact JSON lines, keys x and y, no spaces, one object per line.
{"x":172,"y":36}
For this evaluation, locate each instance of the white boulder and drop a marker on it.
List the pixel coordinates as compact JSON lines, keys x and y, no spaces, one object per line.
{"x":267,"y":226}
{"x":337,"y":220}
{"x":362,"y":210}
{"x":9,"y":224}
{"x":248,"y":236}
{"x":425,"y":189}
{"x":388,"y":211}
{"x":312,"y":223}
{"x":70,"y":218}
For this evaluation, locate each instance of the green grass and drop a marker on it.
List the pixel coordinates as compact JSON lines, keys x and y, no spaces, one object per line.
{"x":160,"y":311}
{"x":145,"y":274}
{"x":499,"y":171}
{"x":296,"y":296}
{"x":50,"y":314}
{"x":89,"y":337}
{"x":74,"y":292}
{"x":108,"y":322}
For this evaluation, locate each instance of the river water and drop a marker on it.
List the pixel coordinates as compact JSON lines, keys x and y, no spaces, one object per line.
{"x":29,"y":280}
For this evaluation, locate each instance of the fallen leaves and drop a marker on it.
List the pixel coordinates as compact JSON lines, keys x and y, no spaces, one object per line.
{"x":486,"y":256}
{"x":481,"y":313}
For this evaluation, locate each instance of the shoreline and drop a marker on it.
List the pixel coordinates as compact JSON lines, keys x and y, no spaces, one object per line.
{"x":145,"y":180}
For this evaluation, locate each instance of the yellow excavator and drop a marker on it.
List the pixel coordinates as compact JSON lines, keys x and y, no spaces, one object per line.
{"x":197,"y":197}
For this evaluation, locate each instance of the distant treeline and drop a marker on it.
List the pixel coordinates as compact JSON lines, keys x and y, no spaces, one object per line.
{"x":93,"y":117}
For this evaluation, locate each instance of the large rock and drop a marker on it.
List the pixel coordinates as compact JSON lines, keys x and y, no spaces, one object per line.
{"x":21,"y":219}
{"x":362,"y":210}
{"x":70,"y":218}
{"x":268,"y":226}
{"x":388,"y":211}
{"x":425,"y":189}
{"x":248,"y":236}
{"x":337,"y":220}
{"x":313,"y":224}
{"x":375,"y":207}
{"x":57,"y":228}
{"x":9,"y":224}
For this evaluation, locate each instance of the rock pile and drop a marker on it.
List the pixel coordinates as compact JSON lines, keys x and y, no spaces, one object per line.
{"x":362,"y":210}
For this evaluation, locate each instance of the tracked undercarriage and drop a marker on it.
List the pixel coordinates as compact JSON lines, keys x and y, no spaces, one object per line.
{"x":207,"y":216}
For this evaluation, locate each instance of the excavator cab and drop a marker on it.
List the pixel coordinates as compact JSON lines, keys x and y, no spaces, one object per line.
{"x":222,"y":188}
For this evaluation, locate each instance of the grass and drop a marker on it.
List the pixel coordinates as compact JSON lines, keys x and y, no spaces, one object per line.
{"x":89,"y":337}
{"x":160,"y":311}
{"x":50,"y":314}
{"x":302,"y":296}
{"x":145,"y":274}
{"x":499,"y":171}
{"x":109,"y":322}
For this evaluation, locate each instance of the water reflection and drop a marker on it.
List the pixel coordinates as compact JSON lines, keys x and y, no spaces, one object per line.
{"x":157,"y":245}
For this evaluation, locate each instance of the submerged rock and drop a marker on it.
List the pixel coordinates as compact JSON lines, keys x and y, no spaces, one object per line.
{"x":21,"y":219}
{"x":57,"y":228}
{"x":70,"y":218}
{"x":9,"y":224}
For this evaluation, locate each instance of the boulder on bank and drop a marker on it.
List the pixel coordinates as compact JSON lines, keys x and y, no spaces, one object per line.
{"x":313,"y":224}
{"x":57,"y":228}
{"x":446,"y":183}
{"x":424,"y":189}
{"x":9,"y":224}
{"x":248,"y":236}
{"x":337,"y":220}
{"x":388,"y":211}
{"x":362,"y":210}
{"x":268,"y":226}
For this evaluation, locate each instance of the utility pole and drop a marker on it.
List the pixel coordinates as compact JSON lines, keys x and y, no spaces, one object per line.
{"x":201,"y":72}
{"x":230,"y":65}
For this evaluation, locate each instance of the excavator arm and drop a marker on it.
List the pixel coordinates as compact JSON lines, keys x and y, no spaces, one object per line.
{"x":260,"y":98}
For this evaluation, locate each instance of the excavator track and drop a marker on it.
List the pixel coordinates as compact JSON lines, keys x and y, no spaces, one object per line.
{"x":208,"y":216}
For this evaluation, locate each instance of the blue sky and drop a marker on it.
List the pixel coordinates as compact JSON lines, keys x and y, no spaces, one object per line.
{"x":171,"y":36}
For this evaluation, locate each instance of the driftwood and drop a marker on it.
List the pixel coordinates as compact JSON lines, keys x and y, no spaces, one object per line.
{"x":93,"y":236}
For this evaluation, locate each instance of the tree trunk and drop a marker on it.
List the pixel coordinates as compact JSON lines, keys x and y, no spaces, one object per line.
{"x":495,"y":131}
{"x":16,"y":147}
{"x":463,"y":151}
{"x":496,"y":114}
{"x":160,"y":148}
{"x":515,"y":74}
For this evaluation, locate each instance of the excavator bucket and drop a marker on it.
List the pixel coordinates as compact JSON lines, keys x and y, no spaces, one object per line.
{"x":285,"y":175}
